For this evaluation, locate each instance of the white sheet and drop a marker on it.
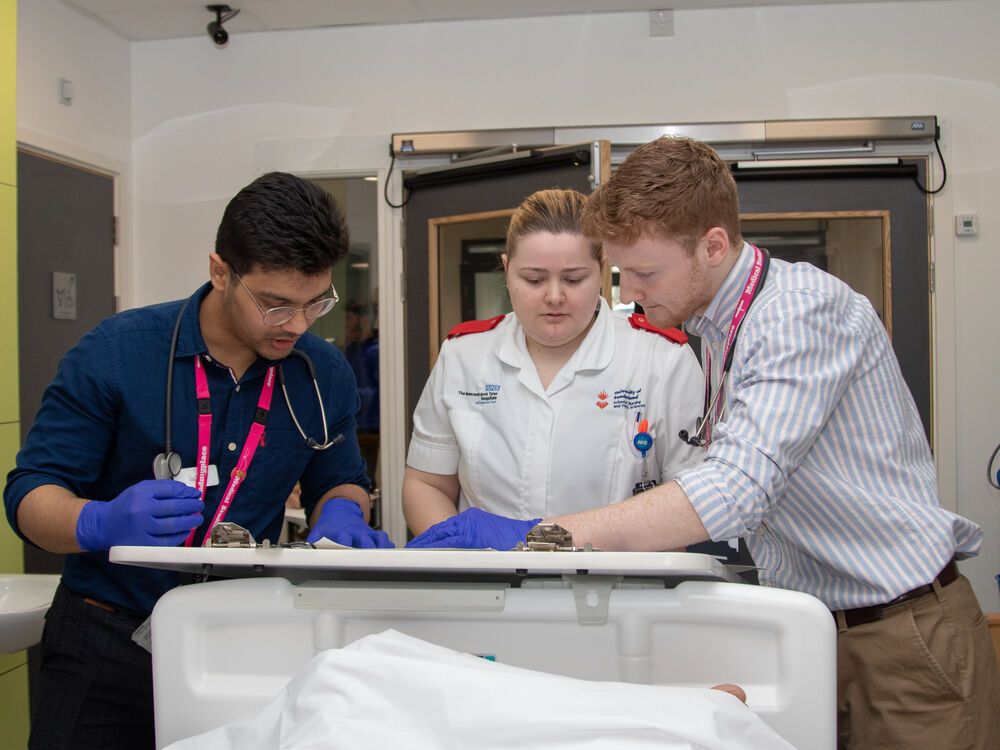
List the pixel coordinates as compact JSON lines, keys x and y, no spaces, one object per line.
{"x":391,"y":690}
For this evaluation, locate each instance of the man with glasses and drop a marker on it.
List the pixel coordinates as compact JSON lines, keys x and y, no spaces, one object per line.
{"x":84,"y":479}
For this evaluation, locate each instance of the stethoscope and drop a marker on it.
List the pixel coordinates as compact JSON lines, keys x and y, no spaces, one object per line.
{"x":750,"y":291}
{"x":168,"y":464}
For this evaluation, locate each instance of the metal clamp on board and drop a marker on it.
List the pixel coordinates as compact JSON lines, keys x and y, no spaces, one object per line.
{"x":228,"y":534}
{"x":551,"y":537}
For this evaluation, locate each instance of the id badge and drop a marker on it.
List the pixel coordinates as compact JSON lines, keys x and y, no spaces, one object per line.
{"x":189,"y":476}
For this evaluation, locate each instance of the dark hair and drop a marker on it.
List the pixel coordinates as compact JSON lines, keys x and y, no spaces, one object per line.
{"x":278,"y":222}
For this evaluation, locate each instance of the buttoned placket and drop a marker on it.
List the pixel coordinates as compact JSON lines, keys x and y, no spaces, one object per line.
{"x":541,"y":421}
{"x":712,"y":327}
{"x":236,"y":412}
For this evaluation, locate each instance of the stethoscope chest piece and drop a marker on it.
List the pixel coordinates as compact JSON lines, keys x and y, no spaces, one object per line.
{"x":167,"y":465}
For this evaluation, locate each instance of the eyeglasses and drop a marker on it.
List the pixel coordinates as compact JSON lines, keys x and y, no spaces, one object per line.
{"x":278,"y":316}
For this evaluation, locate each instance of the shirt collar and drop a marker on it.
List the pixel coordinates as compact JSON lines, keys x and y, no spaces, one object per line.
{"x":719,"y":313}
{"x":191,"y":342}
{"x":189,"y":339}
{"x":595,"y":350}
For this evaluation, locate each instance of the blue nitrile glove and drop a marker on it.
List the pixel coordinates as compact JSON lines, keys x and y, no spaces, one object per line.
{"x":476,"y":529}
{"x":152,"y":513}
{"x":342,"y":521}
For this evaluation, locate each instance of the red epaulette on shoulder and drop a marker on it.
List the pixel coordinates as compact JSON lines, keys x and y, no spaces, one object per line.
{"x":641,"y":323}
{"x":475,"y":326}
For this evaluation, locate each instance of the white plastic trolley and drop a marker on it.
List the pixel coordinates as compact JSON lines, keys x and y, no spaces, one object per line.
{"x":222,"y":649}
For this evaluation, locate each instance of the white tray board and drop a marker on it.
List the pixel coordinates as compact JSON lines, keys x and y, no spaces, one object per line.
{"x":299,"y":564}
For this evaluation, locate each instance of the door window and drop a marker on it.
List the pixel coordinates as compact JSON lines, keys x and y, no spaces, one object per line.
{"x":854,"y":248}
{"x":352,"y":325}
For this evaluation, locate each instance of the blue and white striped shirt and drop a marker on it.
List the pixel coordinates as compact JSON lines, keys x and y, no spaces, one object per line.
{"x":820,"y":459}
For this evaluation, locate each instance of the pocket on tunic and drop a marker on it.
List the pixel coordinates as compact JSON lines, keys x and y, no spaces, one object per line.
{"x":627,"y":470}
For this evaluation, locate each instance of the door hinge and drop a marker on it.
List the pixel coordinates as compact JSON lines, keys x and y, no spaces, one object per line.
{"x":114,"y":231}
{"x":402,"y":286}
{"x":931,"y":277}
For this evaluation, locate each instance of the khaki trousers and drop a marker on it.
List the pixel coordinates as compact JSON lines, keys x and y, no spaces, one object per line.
{"x":924,"y":676}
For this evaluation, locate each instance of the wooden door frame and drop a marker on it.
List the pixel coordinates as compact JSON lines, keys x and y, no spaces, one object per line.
{"x":433,"y":267}
{"x":883,"y":216}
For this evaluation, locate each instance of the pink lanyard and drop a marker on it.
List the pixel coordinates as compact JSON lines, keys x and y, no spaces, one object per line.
{"x":205,"y":435}
{"x":750,"y":290}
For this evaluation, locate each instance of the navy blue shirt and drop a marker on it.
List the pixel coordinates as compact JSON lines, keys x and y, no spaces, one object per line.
{"x":101,"y":423}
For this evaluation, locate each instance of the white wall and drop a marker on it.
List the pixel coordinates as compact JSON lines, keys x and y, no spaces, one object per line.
{"x":206,"y":121}
{"x":56,"y":41}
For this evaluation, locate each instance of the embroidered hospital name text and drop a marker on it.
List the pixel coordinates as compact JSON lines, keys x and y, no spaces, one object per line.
{"x":489,"y":394}
{"x":628,"y":398}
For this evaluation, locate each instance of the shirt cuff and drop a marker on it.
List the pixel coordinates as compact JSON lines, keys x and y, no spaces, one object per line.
{"x":707,"y":488}
{"x":434,"y":456}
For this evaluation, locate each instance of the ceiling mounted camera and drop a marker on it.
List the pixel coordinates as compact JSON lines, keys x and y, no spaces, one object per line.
{"x":222,"y":14}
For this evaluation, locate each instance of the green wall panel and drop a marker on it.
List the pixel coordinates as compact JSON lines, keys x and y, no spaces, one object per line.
{"x":14,"y":706}
{"x":13,"y":667}
{"x":8,"y":80}
{"x":11,"y":547}
{"x":8,"y":300}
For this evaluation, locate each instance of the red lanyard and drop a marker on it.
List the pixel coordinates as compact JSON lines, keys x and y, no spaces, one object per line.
{"x":205,"y":436}
{"x":750,"y":290}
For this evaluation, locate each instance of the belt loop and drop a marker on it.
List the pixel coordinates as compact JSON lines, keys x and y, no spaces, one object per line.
{"x":938,"y":591}
{"x":841,"y":621}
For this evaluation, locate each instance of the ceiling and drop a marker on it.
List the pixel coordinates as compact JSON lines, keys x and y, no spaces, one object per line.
{"x":143,"y":20}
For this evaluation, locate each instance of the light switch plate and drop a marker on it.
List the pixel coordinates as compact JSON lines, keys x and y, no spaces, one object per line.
{"x":661,"y":23}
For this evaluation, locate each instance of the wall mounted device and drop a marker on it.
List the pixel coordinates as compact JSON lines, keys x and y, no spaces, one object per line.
{"x":222,"y":14}
{"x":760,"y":139}
{"x":966,"y":225}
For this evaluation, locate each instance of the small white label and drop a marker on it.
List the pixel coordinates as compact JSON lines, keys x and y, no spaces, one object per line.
{"x":143,"y":635}
{"x":63,"y":295}
{"x":189,"y":476}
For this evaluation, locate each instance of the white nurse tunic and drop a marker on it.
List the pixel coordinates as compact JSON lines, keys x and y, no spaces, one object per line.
{"x":524,"y":451}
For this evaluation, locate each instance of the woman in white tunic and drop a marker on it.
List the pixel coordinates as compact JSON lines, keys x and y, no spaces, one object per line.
{"x":535,"y":413}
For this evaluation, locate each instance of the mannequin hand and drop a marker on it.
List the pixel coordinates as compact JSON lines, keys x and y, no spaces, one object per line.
{"x":154,"y":512}
{"x":342,"y":521}
{"x":476,"y":529}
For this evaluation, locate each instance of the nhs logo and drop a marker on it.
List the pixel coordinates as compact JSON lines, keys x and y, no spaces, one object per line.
{"x":491,"y":387}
